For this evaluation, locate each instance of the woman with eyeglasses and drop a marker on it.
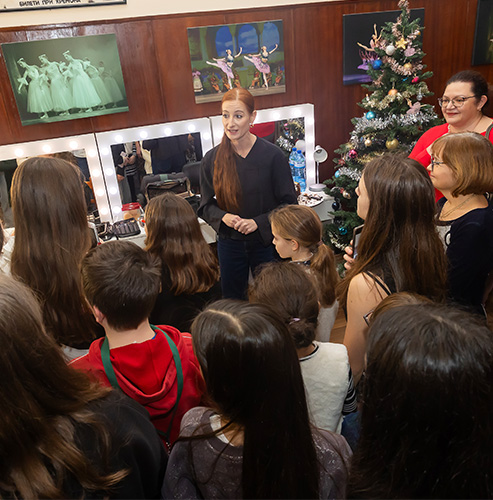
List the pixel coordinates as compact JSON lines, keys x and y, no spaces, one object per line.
{"x":462,"y":169}
{"x":463,"y":105}
{"x":399,"y":249}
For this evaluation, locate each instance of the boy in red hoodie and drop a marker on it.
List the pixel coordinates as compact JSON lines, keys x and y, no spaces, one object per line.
{"x":154,"y":365}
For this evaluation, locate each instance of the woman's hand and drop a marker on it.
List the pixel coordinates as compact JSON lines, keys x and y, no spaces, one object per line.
{"x":245,"y":226}
{"x":348,"y":257}
{"x":231,"y":220}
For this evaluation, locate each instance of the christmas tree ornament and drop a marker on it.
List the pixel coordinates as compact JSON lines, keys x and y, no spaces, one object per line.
{"x":336,"y":205}
{"x":342,"y":231}
{"x":337,"y":174}
{"x":392,"y":144}
{"x":413,"y":108}
{"x":390,"y":50}
{"x":368,"y":142}
{"x":353,"y":154}
{"x":415,"y":79}
{"x":377,"y":64}
{"x":341,"y":162}
{"x":393,"y":91}
{"x":410,"y":51}
{"x":418,"y":33}
{"x":401,"y":44}
{"x":370,"y":115}
{"x":419,"y":96}
{"x":301,"y":145}
{"x":346,"y":195}
{"x":408,"y":66}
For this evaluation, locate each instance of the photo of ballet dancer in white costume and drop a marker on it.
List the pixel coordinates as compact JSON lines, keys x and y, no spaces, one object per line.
{"x":66,"y":78}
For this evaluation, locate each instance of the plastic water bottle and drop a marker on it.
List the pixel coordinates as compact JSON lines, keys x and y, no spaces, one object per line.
{"x":292,"y":156}
{"x":299,"y":168}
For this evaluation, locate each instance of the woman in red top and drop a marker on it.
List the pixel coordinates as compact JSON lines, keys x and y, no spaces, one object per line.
{"x":463,"y":105}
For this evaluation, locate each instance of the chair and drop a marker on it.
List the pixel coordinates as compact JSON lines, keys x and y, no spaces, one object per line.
{"x":192,"y":171}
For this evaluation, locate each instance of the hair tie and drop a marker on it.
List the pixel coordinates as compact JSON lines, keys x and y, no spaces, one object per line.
{"x":294,"y":320}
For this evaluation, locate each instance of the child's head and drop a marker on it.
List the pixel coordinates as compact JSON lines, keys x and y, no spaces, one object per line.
{"x":427,"y":396}
{"x":295,"y":227}
{"x":298,"y":229}
{"x":248,"y":360}
{"x":253,"y":376}
{"x":290,"y":291}
{"x":122,"y":281}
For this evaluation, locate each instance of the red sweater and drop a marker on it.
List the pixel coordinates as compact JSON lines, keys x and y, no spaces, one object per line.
{"x":146,"y":372}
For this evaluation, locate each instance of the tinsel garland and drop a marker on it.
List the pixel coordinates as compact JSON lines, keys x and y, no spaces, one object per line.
{"x":400,"y":69}
{"x":362,"y":124}
{"x":381,"y":104}
{"x":284,"y":143}
{"x":354,"y":175}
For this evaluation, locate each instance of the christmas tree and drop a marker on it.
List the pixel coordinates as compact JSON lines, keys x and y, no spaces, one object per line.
{"x":394,"y":119}
{"x":289,"y":133}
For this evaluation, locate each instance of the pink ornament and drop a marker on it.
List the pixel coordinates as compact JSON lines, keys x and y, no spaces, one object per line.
{"x":415,"y":79}
{"x":409,"y":52}
{"x":353,"y":154}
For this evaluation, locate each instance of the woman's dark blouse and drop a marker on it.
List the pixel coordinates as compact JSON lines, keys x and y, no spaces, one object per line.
{"x":266,"y":183}
{"x":180,"y":310}
{"x":469,"y":247}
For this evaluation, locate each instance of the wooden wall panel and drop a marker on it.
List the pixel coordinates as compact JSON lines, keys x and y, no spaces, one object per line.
{"x":156,"y":65}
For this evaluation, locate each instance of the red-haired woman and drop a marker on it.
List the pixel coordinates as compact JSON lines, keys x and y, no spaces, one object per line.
{"x":241,"y":181}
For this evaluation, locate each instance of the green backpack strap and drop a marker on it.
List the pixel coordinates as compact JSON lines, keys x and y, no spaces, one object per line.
{"x":110,"y":373}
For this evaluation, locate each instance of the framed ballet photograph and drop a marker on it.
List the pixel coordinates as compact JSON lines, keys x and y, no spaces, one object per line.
{"x":482,"y":52}
{"x":248,"y":55}
{"x":359,"y":32}
{"x":66,"y":78}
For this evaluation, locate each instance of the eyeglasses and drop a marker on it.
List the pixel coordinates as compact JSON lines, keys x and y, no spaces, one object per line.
{"x":435,"y":162}
{"x":457,"y":102}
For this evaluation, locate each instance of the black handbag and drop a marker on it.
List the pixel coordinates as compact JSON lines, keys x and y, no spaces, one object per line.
{"x":179,"y":186}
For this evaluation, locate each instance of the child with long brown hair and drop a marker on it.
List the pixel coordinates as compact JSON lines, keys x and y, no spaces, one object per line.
{"x":51,"y":238}
{"x":399,"y":249}
{"x":297,"y":234}
{"x":255,"y":439}
{"x":190,"y":271}
{"x":63,"y":435}
{"x":242,"y":180}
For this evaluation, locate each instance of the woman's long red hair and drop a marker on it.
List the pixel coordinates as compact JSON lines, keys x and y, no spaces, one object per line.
{"x":226,"y":182}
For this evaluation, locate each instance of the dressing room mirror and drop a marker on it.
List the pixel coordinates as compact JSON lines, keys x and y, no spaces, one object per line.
{"x":131,"y":156}
{"x":281,"y":126}
{"x":80,"y":151}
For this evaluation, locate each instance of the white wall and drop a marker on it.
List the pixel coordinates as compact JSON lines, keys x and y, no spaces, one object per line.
{"x":133,"y":8}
